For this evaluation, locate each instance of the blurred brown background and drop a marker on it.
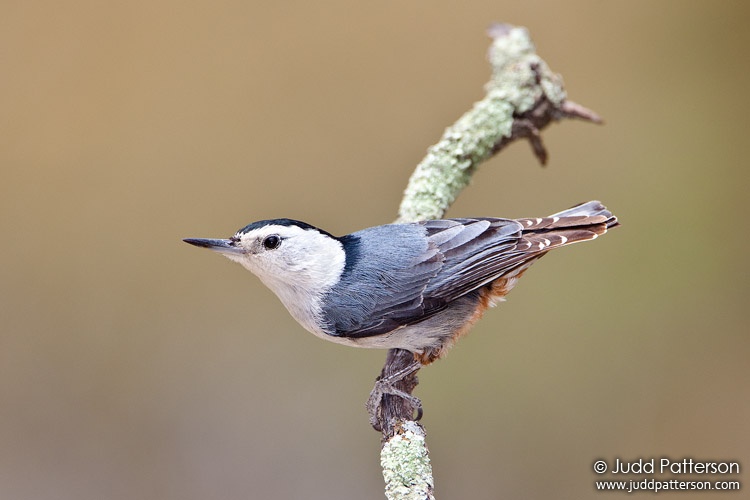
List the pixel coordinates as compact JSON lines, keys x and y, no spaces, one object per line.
{"x":134,"y":366}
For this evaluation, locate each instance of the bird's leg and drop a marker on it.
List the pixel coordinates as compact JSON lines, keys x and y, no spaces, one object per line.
{"x":386,"y":385}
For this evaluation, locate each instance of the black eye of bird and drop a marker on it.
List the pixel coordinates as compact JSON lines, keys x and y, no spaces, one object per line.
{"x":272,"y":242}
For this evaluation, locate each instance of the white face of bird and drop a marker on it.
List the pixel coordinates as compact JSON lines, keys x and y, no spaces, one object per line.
{"x":299,"y":264}
{"x":290,"y":255}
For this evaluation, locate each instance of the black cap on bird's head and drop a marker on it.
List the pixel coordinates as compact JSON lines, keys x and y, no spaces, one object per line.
{"x":279,"y":222}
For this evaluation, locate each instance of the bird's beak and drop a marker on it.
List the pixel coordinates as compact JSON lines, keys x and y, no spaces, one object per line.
{"x":221,"y":246}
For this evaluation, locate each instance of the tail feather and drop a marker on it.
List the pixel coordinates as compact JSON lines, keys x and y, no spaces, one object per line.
{"x":580,"y":223}
{"x":590,"y":209}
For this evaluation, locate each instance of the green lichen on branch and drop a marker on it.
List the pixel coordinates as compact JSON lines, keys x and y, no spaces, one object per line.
{"x":520,"y":80}
{"x":406,"y":465}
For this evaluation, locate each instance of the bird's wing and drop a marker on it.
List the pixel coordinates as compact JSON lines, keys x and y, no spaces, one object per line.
{"x":461,"y":256}
{"x":475,"y":252}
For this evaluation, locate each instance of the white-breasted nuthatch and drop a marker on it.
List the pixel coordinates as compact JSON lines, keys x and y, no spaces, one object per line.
{"x":415,"y":286}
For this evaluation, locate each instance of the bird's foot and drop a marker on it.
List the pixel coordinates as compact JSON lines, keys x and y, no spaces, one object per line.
{"x":387,"y":386}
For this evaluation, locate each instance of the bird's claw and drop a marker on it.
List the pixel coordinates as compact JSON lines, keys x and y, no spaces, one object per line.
{"x":386,"y":386}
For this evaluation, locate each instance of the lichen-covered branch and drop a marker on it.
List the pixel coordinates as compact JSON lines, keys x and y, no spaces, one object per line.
{"x":406,"y":464}
{"x":523,"y":96}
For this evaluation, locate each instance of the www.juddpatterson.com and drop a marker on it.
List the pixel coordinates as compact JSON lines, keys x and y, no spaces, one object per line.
{"x":686,"y":466}
{"x":655,"y":486}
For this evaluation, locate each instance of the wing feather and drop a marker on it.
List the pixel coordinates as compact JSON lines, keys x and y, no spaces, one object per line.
{"x":399,"y":282}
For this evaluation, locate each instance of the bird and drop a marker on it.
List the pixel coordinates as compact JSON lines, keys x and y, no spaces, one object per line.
{"x":418,"y":286}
